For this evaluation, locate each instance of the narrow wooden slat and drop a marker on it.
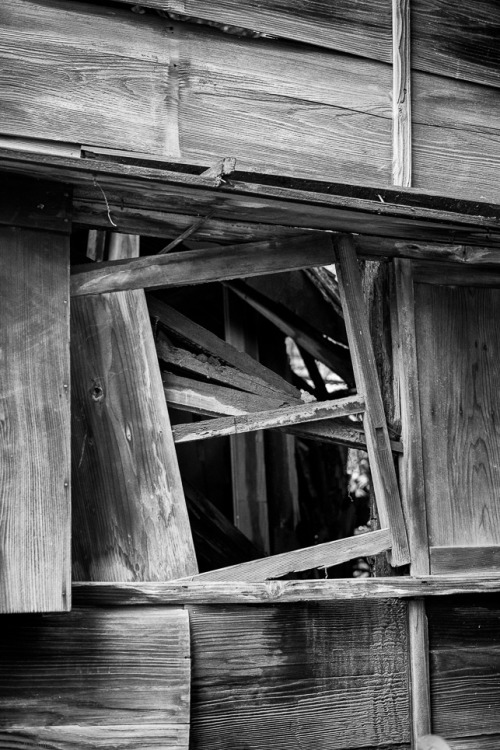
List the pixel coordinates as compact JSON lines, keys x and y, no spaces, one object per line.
{"x":320,"y":556}
{"x":401,"y":94}
{"x":261,"y":380}
{"x":201,"y":266}
{"x":207,"y":592}
{"x":96,"y":678}
{"x":447,"y":560}
{"x":198,"y":397}
{"x":35,"y":464}
{"x":377,"y":437}
{"x":287,"y":415}
{"x":420,"y":693}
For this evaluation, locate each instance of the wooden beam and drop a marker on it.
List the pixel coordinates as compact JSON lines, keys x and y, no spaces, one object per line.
{"x":377,"y":436}
{"x":263,"y":381}
{"x":201,"y":266}
{"x":130,"y":517}
{"x":287,"y":415}
{"x":474,"y":560}
{"x":281,"y":592}
{"x":35,"y":464}
{"x":198,"y":397}
{"x":449,"y":274}
{"x":401,"y":94}
{"x":320,"y":556}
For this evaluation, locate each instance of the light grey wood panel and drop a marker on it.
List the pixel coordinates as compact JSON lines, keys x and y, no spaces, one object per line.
{"x":35,"y":469}
{"x":446,"y":560}
{"x":458,"y":349}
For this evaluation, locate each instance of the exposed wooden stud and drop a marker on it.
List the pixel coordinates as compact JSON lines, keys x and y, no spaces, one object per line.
{"x":320,"y":556}
{"x":129,"y":511}
{"x":35,"y":464}
{"x":377,"y":436}
{"x":401,"y":94}
{"x":201,"y":266}
{"x":96,"y":244}
{"x":248,"y":463}
{"x":123,"y":246}
{"x":262,"y":381}
{"x":282,"y":592}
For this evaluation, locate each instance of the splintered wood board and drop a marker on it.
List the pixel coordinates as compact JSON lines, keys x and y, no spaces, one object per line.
{"x":464,"y":635}
{"x":130,"y":516}
{"x":279,"y":677}
{"x":35,"y":470}
{"x":458,"y":353}
{"x":96,"y":678}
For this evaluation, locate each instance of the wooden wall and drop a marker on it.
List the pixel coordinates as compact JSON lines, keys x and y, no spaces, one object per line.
{"x":313,"y":101}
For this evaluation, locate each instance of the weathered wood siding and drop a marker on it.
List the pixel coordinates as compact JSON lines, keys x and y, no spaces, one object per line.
{"x":314,"y":101}
{"x":464,"y":633}
{"x":35,"y":470}
{"x":280,"y":676}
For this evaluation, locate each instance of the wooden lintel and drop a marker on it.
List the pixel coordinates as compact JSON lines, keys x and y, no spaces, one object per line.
{"x":319,"y":556}
{"x":281,"y":592}
{"x":287,"y":415}
{"x":201,"y":266}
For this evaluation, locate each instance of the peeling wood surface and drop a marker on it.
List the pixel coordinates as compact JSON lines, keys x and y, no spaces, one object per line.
{"x":458,"y":350}
{"x":265,"y":677}
{"x":261,"y":420}
{"x":130,"y":518}
{"x":465,"y":669}
{"x":96,"y":678}
{"x":282,"y":592}
{"x":323,"y":555}
{"x":35,"y":499}
{"x":200,"y":266}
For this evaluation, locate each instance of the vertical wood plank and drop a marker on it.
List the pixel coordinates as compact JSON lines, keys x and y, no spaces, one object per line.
{"x":401,"y":94}
{"x":377,"y":437}
{"x":34,"y":421}
{"x":131,"y":520}
{"x":248,"y":468}
{"x":413,"y":495}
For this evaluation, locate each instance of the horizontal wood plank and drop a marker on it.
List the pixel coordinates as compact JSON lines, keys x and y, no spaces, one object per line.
{"x":201,"y":266}
{"x":271,"y":592}
{"x":96,"y":667}
{"x":446,"y":560}
{"x":323,"y":555}
{"x":448,"y":274}
{"x":114,"y":737}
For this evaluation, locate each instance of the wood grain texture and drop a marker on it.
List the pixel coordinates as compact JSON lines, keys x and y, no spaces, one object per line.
{"x":405,"y":213}
{"x":130,"y":518}
{"x":465,"y":667}
{"x":262,"y":420}
{"x":199,"y":397}
{"x":35,"y":473}
{"x":446,"y":560}
{"x":418,"y":657}
{"x":96,"y":678}
{"x":261,"y":380}
{"x":374,"y":420}
{"x":323,"y":555}
{"x":200,"y":266}
{"x":282,"y":592}
{"x":401,"y":94}
{"x":458,"y":350}
{"x":264,"y":676}
{"x":447,"y":274}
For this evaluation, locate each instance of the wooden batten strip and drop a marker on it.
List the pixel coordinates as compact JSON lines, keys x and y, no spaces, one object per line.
{"x":281,"y":592}
{"x":202,"y":266}
{"x":401,"y":94}
{"x":320,"y":556}
{"x":476,"y":560}
{"x":288,"y":415}
{"x":365,"y":371}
